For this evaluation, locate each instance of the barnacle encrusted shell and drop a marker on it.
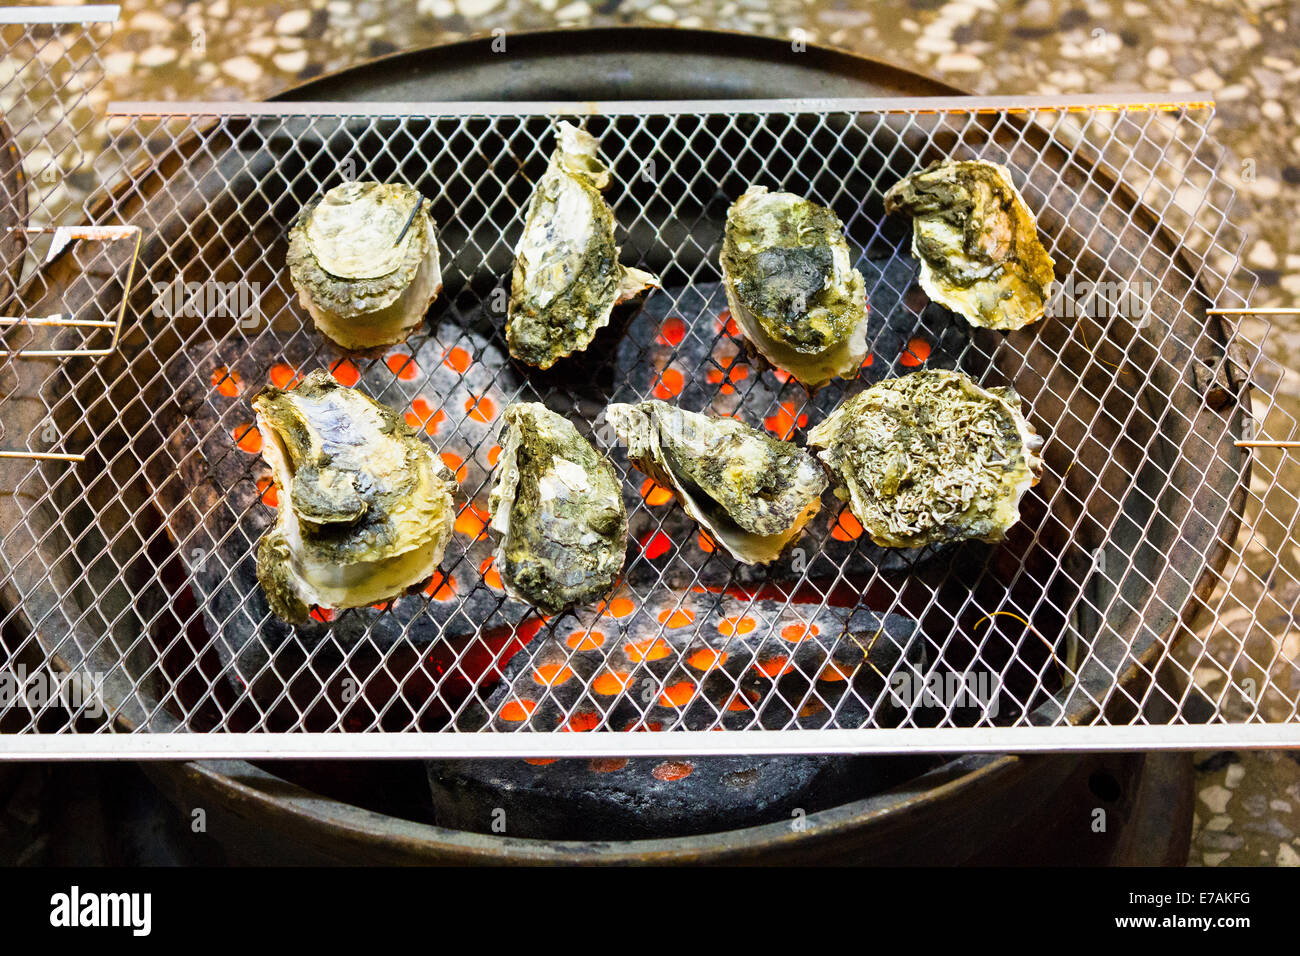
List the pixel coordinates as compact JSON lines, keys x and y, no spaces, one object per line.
{"x":567,"y":278}
{"x":791,"y":285}
{"x":364,"y":260}
{"x":559,"y":510}
{"x":752,"y":493}
{"x":931,"y":457}
{"x":977,"y":242}
{"x":365,"y":506}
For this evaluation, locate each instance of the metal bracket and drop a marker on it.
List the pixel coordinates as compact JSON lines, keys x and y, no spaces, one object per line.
{"x":62,"y":236}
{"x":1274,"y":310}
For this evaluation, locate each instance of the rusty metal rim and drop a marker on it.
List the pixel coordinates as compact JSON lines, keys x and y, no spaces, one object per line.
{"x":247,"y":788}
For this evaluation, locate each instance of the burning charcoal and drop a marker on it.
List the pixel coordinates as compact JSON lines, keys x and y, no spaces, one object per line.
{"x":220,"y":502}
{"x":644,"y":797}
{"x":685,"y":659}
{"x":679,"y":659}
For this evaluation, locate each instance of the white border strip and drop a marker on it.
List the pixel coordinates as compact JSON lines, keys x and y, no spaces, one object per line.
{"x":408,"y":746}
{"x":94,"y":13}
{"x":895,"y":104}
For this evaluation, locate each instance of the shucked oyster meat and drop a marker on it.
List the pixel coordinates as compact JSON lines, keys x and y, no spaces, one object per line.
{"x":364,"y":260}
{"x":931,"y":457}
{"x":977,"y":242}
{"x":791,"y":285}
{"x":567,"y":278}
{"x":365,"y":507}
{"x":559,"y":511}
{"x":751,"y":493}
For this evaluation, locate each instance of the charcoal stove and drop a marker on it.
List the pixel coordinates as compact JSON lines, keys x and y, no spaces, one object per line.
{"x":1073,"y":616}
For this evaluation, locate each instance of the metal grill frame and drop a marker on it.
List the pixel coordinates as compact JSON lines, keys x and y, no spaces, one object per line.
{"x":1219,"y":264}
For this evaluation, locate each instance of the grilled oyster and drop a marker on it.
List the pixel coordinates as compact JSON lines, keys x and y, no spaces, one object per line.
{"x":567,"y":278}
{"x":559,"y":510}
{"x":364,"y":260}
{"x":791,"y":286}
{"x":365,"y":506}
{"x":931,"y":457}
{"x":752,"y":493}
{"x":977,"y":242}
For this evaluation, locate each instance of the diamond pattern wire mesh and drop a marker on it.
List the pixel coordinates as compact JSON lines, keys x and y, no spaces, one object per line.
{"x":134,"y":569}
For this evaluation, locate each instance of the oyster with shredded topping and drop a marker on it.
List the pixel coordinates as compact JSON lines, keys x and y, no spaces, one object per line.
{"x":364,"y":260}
{"x":558,"y":508}
{"x":752,"y":493}
{"x":791,"y":285}
{"x":567,"y":277}
{"x":365,"y":507}
{"x":977,"y":242}
{"x":931,"y":457}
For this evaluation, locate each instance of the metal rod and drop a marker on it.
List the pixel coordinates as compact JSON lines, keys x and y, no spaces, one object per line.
{"x":91,"y":13}
{"x":303,"y":745}
{"x":42,"y":455}
{"x":919,"y":104}
{"x":1261,"y":311}
{"x":58,"y":320}
{"x":1265,"y":443}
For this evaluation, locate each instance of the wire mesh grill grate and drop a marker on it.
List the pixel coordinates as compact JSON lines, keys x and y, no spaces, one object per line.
{"x":1106,"y":607}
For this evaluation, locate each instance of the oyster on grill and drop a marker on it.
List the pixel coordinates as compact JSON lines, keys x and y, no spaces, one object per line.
{"x":559,"y":511}
{"x":791,"y":285}
{"x":567,"y":278}
{"x":364,"y":260}
{"x":752,"y":493}
{"x":365,"y":507}
{"x":931,"y":457}
{"x":977,"y":242}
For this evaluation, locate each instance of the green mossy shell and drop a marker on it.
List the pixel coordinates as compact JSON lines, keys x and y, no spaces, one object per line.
{"x":930,"y":457}
{"x":977,"y":242}
{"x":360,"y":495}
{"x":751,"y":492}
{"x":567,"y":278}
{"x":787,"y":270}
{"x":558,"y":507}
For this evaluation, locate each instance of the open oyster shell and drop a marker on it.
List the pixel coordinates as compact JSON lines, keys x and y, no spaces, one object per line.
{"x":559,"y":510}
{"x":365,"y":507}
{"x":931,"y":457}
{"x":791,"y":286}
{"x":752,"y":493}
{"x":567,"y":278}
{"x":977,"y":242}
{"x":364,"y":260}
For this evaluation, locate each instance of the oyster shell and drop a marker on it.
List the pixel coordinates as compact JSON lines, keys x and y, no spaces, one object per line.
{"x":977,"y":242}
{"x":931,"y":457}
{"x":559,"y":510}
{"x":791,"y":285}
{"x":751,"y":492}
{"x":365,"y":507}
{"x":364,"y":260}
{"x":567,"y":278}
